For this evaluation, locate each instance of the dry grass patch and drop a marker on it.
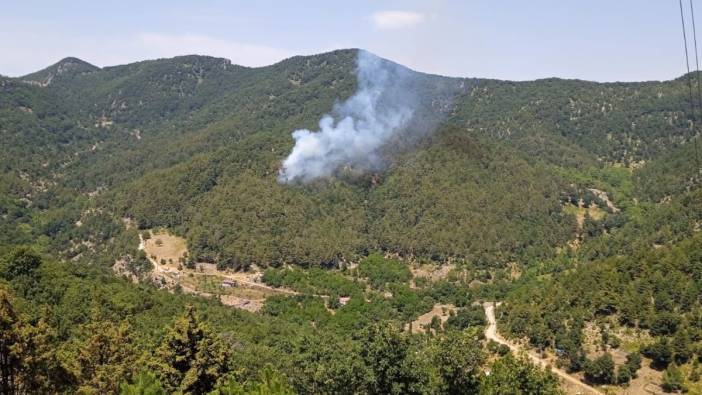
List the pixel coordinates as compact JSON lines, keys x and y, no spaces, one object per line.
{"x":443,"y":311}
{"x":215,"y":285}
{"x":166,"y":247}
{"x":252,"y":305}
{"x":432,"y":272}
{"x":237,"y":289}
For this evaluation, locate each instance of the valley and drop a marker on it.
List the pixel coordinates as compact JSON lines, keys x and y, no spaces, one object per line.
{"x":157,"y":201}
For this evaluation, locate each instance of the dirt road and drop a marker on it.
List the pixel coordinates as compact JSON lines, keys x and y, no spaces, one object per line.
{"x":571,"y":384}
{"x":241,"y":278}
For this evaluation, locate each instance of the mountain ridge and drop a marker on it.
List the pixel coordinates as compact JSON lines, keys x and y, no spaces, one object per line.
{"x":576,"y":204}
{"x":64,"y":68}
{"x":73,"y":60}
{"x":157,"y":120}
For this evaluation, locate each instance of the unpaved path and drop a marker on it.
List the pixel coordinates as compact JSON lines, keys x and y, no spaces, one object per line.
{"x":572,"y":385}
{"x":240,"y":278}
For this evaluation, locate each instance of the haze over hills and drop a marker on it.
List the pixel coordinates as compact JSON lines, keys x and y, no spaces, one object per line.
{"x":572,"y":201}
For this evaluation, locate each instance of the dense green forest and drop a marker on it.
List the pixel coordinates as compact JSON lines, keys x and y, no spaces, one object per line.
{"x":641,"y":275}
{"x":194,"y":143}
{"x":68,"y":327}
{"x":577,"y":204}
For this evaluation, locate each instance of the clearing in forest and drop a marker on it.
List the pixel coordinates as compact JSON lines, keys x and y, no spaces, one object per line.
{"x":163,"y":246}
{"x":168,"y":253}
{"x":580,"y":211}
{"x":443,"y":311}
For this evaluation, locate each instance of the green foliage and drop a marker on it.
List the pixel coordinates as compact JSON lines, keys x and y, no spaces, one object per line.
{"x":513,"y":376}
{"x":681,"y":347}
{"x":459,"y":357}
{"x":673,"y":379}
{"x":664,"y":323}
{"x":653,"y":289}
{"x":659,"y":352}
{"x":22,"y":261}
{"x":627,"y":371}
{"x":330,"y":365}
{"x":624,"y":374}
{"x":600,"y":370}
{"x":190,"y":359}
{"x":93,"y":331}
{"x":145,"y":383}
{"x":498,"y":348}
{"x":386,"y":351}
{"x":27,"y":356}
{"x":313,"y":281}
{"x":473,"y":316}
{"x":695,"y":372}
{"x":194,"y":144}
{"x":381,"y":271}
{"x":103,"y":357}
{"x":269,"y":383}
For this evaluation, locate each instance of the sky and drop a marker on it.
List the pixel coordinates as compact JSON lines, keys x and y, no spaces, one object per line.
{"x":600,"y":40}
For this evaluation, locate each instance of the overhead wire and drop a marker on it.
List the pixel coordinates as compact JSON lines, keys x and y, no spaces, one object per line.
{"x":689,"y":77}
{"x":699,"y":81}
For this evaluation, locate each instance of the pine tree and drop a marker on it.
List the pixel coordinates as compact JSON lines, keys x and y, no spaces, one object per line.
{"x":624,"y":374}
{"x":28,"y":360}
{"x":190,"y":359}
{"x":271,"y":383}
{"x":40,"y":370}
{"x":145,"y":383}
{"x":105,"y":358}
{"x":681,"y":347}
{"x":9,"y":337}
{"x":21,"y":261}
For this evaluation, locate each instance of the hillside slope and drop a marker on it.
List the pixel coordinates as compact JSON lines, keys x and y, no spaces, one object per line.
{"x":194,"y":144}
{"x":577,"y":204}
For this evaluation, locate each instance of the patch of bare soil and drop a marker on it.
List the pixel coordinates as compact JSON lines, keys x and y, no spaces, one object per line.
{"x":602,"y":195}
{"x":579,"y":211}
{"x":443,"y":311}
{"x":128,"y":223}
{"x":432,"y":272}
{"x":167,"y":248}
{"x":242,"y":290}
{"x":647,"y":381}
{"x":121,"y":269}
{"x":252,"y":305}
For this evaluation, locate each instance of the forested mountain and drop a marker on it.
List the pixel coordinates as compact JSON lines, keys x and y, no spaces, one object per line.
{"x":173,"y":142}
{"x":575,"y":202}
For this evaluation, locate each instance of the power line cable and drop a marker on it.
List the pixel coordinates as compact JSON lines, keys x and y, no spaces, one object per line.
{"x":697,"y":77}
{"x":689,"y":79}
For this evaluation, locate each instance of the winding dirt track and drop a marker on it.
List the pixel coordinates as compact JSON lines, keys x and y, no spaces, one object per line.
{"x":240,"y":279}
{"x":571,"y":384}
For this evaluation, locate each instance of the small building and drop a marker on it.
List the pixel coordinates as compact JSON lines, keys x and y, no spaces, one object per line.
{"x":228,"y":283}
{"x":343,"y":300}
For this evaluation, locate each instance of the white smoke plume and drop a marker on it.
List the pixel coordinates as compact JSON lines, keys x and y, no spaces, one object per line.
{"x":357,"y":129}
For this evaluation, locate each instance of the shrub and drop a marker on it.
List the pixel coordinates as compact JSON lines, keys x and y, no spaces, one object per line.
{"x":381,"y":271}
{"x":600,"y":370}
{"x":673,"y":379}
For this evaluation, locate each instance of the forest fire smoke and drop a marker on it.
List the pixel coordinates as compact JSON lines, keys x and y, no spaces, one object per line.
{"x":356,"y":129}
